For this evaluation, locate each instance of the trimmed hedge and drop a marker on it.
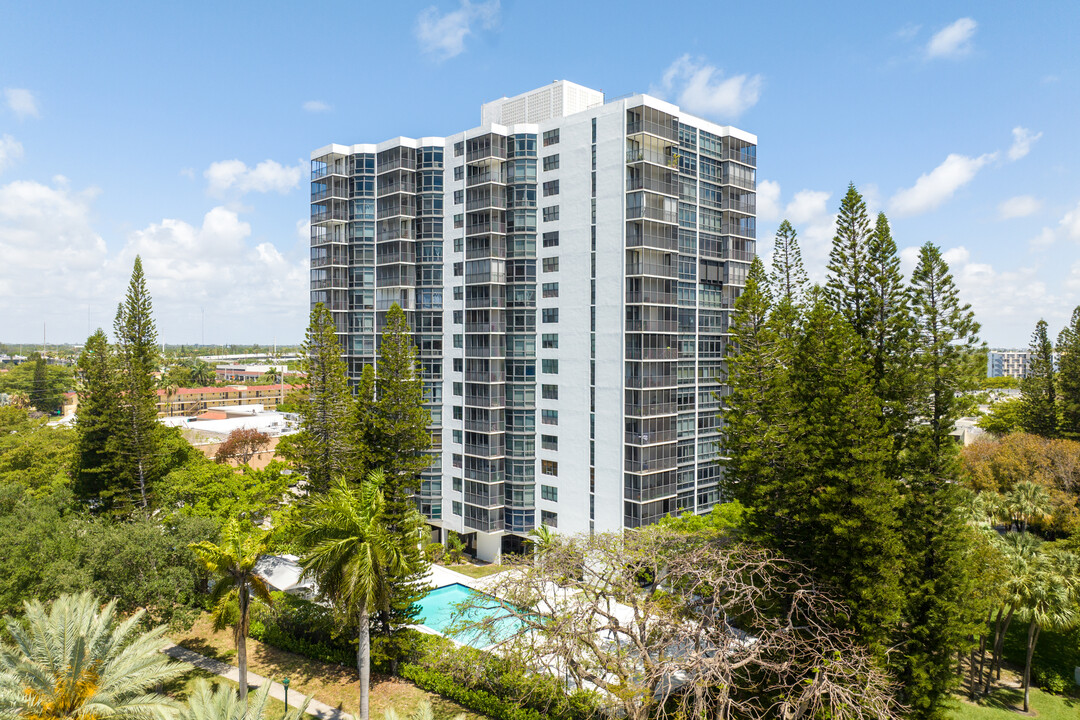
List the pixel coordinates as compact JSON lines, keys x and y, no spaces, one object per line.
{"x":271,"y":634}
{"x":476,"y":700}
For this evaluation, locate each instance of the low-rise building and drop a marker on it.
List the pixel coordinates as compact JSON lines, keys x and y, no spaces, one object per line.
{"x":192,"y":401}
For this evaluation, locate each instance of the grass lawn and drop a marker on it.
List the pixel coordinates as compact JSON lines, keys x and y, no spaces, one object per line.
{"x":182,"y":687}
{"x":1005,"y":703}
{"x":475,"y":571}
{"x":334,"y":685}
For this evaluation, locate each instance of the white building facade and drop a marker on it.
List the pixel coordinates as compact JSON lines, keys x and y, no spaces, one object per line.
{"x":569,"y":270}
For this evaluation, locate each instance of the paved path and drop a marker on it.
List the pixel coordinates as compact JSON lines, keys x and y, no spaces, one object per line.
{"x":277,"y":690}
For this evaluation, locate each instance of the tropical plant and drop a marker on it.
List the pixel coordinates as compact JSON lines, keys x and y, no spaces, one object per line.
{"x":455,"y":548}
{"x":351,"y":557}
{"x":1027,"y":502}
{"x":220,"y":702}
{"x":233,"y":565}
{"x":1049,"y":604}
{"x":77,"y":660}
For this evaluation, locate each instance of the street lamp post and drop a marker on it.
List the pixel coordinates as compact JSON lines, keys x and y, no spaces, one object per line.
{"x":285,"y":682}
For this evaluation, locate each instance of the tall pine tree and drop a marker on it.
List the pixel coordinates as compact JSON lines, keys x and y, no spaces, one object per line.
{"x":397,"y":440}
{"x":849,"y":279}
{"x":322,"y":448}
{"x":137,"y":361}
{"x":98,"y":423}
{"x":940,"y":616}
{"x":1038,"y":395}
{"x":788,"y":277}
{"x":842,"y":506}
{"x":1069,"y":376}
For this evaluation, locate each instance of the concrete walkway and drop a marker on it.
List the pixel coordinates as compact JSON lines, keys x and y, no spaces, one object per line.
{"x":277,"y":690}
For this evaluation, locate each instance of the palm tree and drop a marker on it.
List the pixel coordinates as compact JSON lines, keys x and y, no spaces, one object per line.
{"x":351,"y":557}
{"x":76,"y":660}
{"x":1048,"y":605}
{"x":202,"y":373}
{"x":542,"y":539}
{"x":220,"y":702}
{"x":1021,"y":551}
{"x":1026,"y":502}
{"x":233,"y":565}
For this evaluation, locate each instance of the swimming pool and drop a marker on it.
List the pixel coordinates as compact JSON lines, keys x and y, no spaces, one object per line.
{"x":440,"y":608}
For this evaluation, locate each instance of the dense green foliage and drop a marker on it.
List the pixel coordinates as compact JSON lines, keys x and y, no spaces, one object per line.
{"x":33,"y":455}
{"x":1068,"y":345}
{"x":1038,"y":393}
{"x":42,"y":385}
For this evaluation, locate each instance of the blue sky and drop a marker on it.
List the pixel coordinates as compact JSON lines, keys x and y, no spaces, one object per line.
{"x":182,"y":132}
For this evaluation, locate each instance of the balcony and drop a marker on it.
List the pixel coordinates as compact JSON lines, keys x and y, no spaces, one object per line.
{"x":646,"y":234}
{"x":335,"y":190}
{"x":399,"y":187}
{"x":331,"y":260}
{"x":651,"y":438}
{"x":483,"y":426}
{"x":336,"y":214}
{"x":652,"y":157}
{"x":396,"y":233}
{"x":487,"y":201}
{"x":636,"y":353}
{"x":489,"y":450}
{"x":652,"y":213}
{"x":486,"y":401}
{"x":657,"y":326}
{"x":473,"y":179}
{"x":656,"y":270}
{"x":490,"y":500}
{"x":660,"y":130}
{"x":649,"y":409}
{"x":488,"y":152}
{"x":651,"y":381}
{"x":390,"y":210}
{"x":486,"y":228}
{"x":490,"y":521}
{"x":395,"y":163}
{"x":407,"y":257}
{"x":648,"y":466}
{"x":655,"y":185}
{"x":497,"y":326}
{"x":740,"y":157}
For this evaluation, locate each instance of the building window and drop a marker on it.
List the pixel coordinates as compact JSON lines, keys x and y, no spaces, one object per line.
{"x":459,"y":172}
{"x":459,"y":245}
{"x":548,"y":367}
{"x":549,"y":417}
{"x":549,"y":518}
{"x":550,"y":315}
{"x":459,"y":148}
{"x":459,"y":341}
{"x":549,"y":442}
{"x":551,"y":239}
{"x":457,"y":436}
{"x":550,"y":289}
{"x":551,"y":137}
{"x":457,"y":508}
{"x":459,"y":292}
{"x":457,"y":365}
{"x":549,"y":467}
{"x":550,"y":392}
{"x":550,"y":264}
{"x":459,"y":197}
{"x":551,"y":162}
{"x":458,"y":412}
{"x":457,"y":460}
{"x":549,"y":340}
{"x":457,"y":484}
{"x":459,"y":316}
{"x":459,"y":220}
{"x":551,"y":187}
{"x":458,"y":389}
{"x":551,"y":213}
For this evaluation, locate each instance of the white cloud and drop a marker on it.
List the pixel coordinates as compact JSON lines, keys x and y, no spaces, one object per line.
{"x":316,"y":106}
{"x":935,"y":187}
{"x":806,"y":206}
{"x":1023,"y":139}
{"x":908,"y":31}
{"x":1044,"y":239}
{"x":808,"y":212}
{"x":768,"y":200}
{"x":21,"y":102}
{"x":952,"y":41}
{"x":267,"y":176}
{"x":1019,"y":206}
{"x":701,"y":89}
{"x":303,"y":230}
{"x":11,"y":151}
{"x":443,"y":34}
{"x":1070,"y":223}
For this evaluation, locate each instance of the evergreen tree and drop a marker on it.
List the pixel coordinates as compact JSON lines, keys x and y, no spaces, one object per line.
{"x":137,"y":360}
{"x":98,"y":422}
{"x":849,"y":279}
{"x":39,"y":386}
{"x":364,"y":422}
{"x":841,"y":506}
{"x":941,"y":615}
{"x":321,"y":449}
{"x":889,"y":329}
{"x":754,"y":439}
{"x":788,"y":277}
{"x":1069,"y":376}
{"x":1038,"y":397}
{"x":397,"y":440}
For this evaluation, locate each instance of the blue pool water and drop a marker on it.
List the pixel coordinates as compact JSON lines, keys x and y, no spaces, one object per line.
{"x":440,"y":608}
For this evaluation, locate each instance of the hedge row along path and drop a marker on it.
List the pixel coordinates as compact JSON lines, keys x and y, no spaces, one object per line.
{"x":277,"y":690}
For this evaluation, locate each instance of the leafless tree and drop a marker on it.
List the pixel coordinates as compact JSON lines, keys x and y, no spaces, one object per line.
{"x":668,"y":624}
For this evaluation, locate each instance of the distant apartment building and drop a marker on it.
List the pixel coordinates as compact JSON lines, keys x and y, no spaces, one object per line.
{"x":192,"y":401}
{"x":569,"y":269}
{"x":1010,"y":363}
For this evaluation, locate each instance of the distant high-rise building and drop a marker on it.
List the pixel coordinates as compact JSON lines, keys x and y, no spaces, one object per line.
{"x":1010,"y":363}
{"x":569,"y":270}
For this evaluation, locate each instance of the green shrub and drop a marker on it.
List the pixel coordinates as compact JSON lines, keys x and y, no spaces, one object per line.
{"x":477,"y":700}
{"x":435,"y":552}
{"x":1050,"y":679}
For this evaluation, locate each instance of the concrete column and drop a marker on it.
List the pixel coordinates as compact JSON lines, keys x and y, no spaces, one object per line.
{"x":489,"y":547}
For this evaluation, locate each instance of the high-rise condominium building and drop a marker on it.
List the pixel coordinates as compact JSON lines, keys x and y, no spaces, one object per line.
{"x":569,"y":269}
